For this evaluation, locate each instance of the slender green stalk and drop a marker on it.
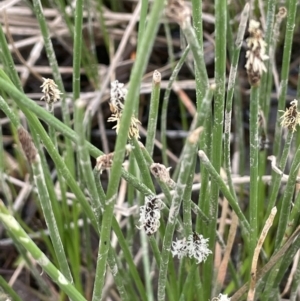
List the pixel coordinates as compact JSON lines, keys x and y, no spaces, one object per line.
{"x":153,"y":112}
{"x":230,"y":93}
{"x":84,"y":161}
{"x":164,"y":109}
{"x":292,"y":9}
{"x":293,"y":218}
{"x":197,"y":21}
{"x":8,"y":61}
{"x":13,"y":226}
{"x":57,"y":78}
{"x":287,"y":199}
{"x":275,"y":184}
{"x":223,"y":187}
{"x":77,"y":49}
{"x":42,"y":191}
{"x":185,"y":170}
{"x":186,"y":203}
{"x":136,"y":76}
{"x":189,"y":282}
{"x":142,"y":22}
{"x":205,"y":145}
{"x":144,"y":169}
{"x":122,"y":241}
{"x":267,"y":78}
{"x":295,"y":285}
{"x":50,"y":218}
{"x":190,"y":35}
{"x":254,"y":98}
{"x":284,"y":265}
{"x":217,"y":131}
{"x":283,"y":219}
{"x":7,"y":288}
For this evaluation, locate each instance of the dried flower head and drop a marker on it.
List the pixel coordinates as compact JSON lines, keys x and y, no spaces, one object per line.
{"x":28,"y":147}
{"x":256,"y":54}
{"x":221,"y":297}
{"x":133,"y":128}
{"x":178,"y":11}
{"x":104,"y":162}
{"x":51,"y":93}
{"x":291,"y":117}
{"x":117,"y":98}
{"x":162,"y":173}
{"x":150,"y":215}
{"x":194,"y":247}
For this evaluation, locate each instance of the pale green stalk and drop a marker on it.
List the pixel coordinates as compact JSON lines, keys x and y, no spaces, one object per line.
{"x":217,"y":132}
{"x":143,"y":166}
{"x":276,"y":178}
{"x":8,"y":289}
{"x":8,"y":61}
{"x":121,"y":240}
{"x":283,"y":219}
{"x":77,"y":49}
{"x":284,"y":265}
{"x":230,"y":93}
{"x":57,"y":78}
{"x":135,"y":79}
{"x":254,"y":177}
{"x":186,"y":203}
{"x":142,"y":22}
{"x":289,"y":33}
{"x":153,"y":112}
{"x":223,"y":187}
{"x":85,"y":162}
{"x":13,"y":226}
{"x":44,"y":199}
{"x":164,"y":109}
{"x":89,"y":181}
{"x":267,"y":78}
{"x":186,"y":164}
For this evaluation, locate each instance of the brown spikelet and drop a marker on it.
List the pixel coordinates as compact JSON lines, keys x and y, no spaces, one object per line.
{"x":162,"y":173}
{"x":28,"y":147}
{"x":104,"y":162}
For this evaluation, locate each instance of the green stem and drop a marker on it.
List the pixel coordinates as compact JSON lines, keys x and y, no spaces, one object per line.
{"x":13,"y":226}
{"x":230,"y":93}
{"x":153,"y":113}
{"x":57,"y":77}
{"x":217,"y":132}
{"x":185,"y":169}
{"x":77,"y":49}
{"x":135,"y":79}
{"x":288,"y":42}
{"x":223,"y":187}
{"x":254,"y":98}
{"x":164,"y":109}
